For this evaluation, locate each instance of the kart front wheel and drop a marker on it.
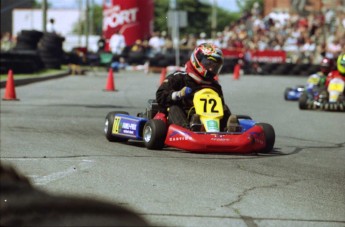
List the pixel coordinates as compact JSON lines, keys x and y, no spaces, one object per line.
{"x":269,"y":135}
{"x":302,"y":101}
{"x":154,"y":134}
{"x":286,"y":93}
{"x":108,"y":127}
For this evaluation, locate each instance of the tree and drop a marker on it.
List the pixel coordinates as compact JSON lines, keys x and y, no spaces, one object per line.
{"x":247,"y":5}
{"x":96,"y":11}
{"x":199,"y":16}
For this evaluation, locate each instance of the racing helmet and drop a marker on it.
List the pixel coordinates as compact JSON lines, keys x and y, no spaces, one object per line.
{"x":341,"y":64}
{"x":326,"y":65}
{"x":207,"y":60}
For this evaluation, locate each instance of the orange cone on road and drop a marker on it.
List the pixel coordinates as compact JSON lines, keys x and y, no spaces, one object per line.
{"x":10,"y":93}
{"x":110,"y":86}
{"x":163,"y":75}
{"x":237,"y":70}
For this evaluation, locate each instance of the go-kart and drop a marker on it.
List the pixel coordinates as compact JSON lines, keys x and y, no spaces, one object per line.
{"x":294,"y":93}
{"x":331,"y":99}
{"x":203,"y":135}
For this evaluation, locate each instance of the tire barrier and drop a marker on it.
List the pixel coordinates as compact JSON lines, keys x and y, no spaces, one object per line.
{"x":28,"y":40}
{"x":20,"y":61}
{"x":23,"y":58}
{"x":34,"y":51}
{"x":284,"y":69}
{"x":50,"y":50}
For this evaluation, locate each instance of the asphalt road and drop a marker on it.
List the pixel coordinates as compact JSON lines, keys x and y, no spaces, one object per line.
{"x":54,"y":136}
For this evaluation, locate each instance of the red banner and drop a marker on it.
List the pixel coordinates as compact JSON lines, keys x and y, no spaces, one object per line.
{"x":134,"y":18}
{"x":270,"y":56}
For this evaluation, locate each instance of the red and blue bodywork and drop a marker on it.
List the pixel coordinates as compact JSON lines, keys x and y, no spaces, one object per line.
{"x":252,"y":137}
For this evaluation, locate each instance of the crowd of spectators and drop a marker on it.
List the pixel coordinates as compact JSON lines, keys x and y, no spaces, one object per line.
{"x":305,"y":38}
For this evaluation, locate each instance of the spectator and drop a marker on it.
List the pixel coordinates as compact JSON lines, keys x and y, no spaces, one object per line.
{"x":333,"y":48}
{"x":51,"y":25}
{"x":307,"y":51}
{"x":136,"y":53}
{"x":101,"y":44}
{"x":155,"y":44}
{"x":117,"y":43}
{"x":202,"y":38}
{"x":6,"y":42}
{"x":76,"y":59}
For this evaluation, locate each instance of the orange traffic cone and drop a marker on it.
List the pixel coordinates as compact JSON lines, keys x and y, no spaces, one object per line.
{"x":237,"y":70}
{"x":163,"y":75}
{"x":10,"y":93}
{"x":110,"y":86}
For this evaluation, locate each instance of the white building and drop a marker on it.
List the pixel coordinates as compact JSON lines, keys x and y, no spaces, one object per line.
{"x":65,"y":21}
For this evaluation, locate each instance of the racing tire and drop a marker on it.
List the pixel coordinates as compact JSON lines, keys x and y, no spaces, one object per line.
{"x":286,"y":93}
{"x":269,"y":135}
{"x":154,"y":134}
{"x":302,"y":101}
{"x":108,"y":126}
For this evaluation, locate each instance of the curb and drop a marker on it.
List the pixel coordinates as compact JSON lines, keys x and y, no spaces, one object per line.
{"x":25,"y":81}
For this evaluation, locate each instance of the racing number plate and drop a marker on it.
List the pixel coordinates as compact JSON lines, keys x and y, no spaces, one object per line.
{"x":335,"y":88}
{"x":208,"y":105}
{"x":336,"y":84}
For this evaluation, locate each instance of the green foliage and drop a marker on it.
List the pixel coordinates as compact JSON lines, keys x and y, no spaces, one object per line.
{"x":199,"y":15}
{"x":38,"y":4}
{"x":97,"y":19}
{"x":247,"y":5}
{"x":96,"y":12}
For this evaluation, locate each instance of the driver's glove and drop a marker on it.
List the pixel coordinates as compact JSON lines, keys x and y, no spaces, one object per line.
{"x":177,"y":95}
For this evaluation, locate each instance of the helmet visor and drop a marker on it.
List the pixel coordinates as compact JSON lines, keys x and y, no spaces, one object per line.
{"x":212,"y":64}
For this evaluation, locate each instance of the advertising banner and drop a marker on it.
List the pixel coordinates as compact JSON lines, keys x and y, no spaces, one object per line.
{"x":133,"y":18}
{"x":269,"y":56}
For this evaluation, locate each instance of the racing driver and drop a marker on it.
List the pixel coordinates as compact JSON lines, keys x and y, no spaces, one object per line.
{"x":340,"y":72}
{"x":174,"y":96}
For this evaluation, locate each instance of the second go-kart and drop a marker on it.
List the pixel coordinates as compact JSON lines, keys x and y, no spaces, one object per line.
{"x":203,"y":134}
{"x":331,"y":99}
{"x":294,"y":93}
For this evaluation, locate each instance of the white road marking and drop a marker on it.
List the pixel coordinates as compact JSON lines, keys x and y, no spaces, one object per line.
{"x":43,"y":180}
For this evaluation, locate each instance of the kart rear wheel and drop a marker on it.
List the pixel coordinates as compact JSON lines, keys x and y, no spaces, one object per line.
{"x":302,"y":101}
{"x":154,"y":134}
{"x":269,"y":135}
{"x":241,"y":116}
{"x":286,"y":93}
{"x":108,"y":127}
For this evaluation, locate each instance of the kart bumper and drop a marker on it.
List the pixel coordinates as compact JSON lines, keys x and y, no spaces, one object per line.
{"x":245,"y":142}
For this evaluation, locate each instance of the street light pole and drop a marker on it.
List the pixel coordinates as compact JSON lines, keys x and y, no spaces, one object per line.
{"x":214,"y":19}
{"x":87,"y":24}
{"x":44,"y":15}
{"x":175,"y":31}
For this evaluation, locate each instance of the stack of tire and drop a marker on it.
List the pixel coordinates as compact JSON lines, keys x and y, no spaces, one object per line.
{"x":51,"y":51}
{"x":28,"y":40}
{"x":23,"y":58}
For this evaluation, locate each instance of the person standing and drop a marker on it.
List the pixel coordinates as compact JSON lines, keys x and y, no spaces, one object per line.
{"x":117,"y":43}
{"x":51,"y":25}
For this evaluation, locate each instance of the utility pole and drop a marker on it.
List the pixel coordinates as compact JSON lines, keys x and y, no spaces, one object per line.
{"x":175,"y":32}
{"x":44,"y":15}
{"x":214,"y":19}
{"x":87,"y":24}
